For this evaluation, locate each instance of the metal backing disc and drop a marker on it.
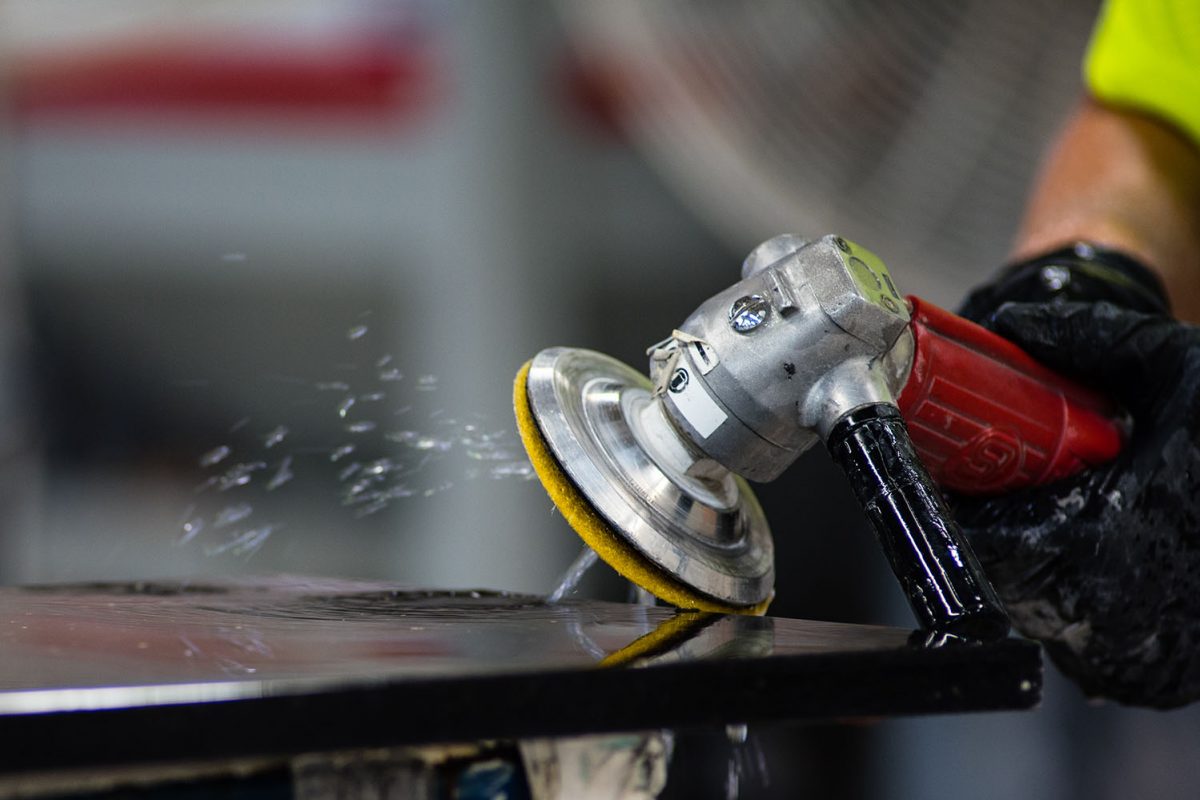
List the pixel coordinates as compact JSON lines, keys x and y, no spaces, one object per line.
{"x":710,"y":534}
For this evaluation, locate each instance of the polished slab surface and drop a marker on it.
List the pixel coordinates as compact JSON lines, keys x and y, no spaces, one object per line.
{"x":130,"y":673}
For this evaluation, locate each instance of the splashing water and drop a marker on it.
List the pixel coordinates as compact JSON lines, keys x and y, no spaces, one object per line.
{"x":570,"y":579}
{"x":513,"y":469}
{"x":244,"y":543}
{"x":191,"y":529}
{"x":232,"y":514}
{"x":215,"y":456}
{"x":275,"y":436}
{"x":239,"y":475}
{"x":419,"y":441}
{"x":747,"y":761}
{"x":366,"y":486}
{"x":380,"y":467}
{"x":283,"y":474}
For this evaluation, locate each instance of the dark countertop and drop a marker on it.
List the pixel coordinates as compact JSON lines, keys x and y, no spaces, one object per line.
{"x":110,"y":674}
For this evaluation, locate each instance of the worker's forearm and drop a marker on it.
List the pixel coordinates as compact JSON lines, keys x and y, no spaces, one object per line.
{"x":1128,"y":182}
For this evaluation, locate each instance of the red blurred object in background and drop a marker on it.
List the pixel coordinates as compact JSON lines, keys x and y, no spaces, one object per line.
{"x":352,"y":66}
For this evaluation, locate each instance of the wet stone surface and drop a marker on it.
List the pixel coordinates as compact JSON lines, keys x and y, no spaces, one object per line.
{"x":296,"y":664}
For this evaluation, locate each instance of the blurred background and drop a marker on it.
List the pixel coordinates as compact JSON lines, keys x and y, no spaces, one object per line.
{"x":258,"y":256}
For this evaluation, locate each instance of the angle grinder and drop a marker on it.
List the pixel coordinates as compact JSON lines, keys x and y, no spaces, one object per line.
{"x":813,"y":344}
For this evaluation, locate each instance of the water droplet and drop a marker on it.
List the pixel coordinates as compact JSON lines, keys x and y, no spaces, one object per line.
{"x":245,"y":542}
{"x":275,"y":436}
{"x":239,"y":475}
{"x":391,"y":375}
{"x":365,"y":426}
{"x":191,"y":529}
{"x":441,"y":487}
{"x":232,"y":514}
{"x":333,"y":386}
{"x":341,"y":452}
{"x":282,"y":475}
{"x":484,"y":448}
{"x":233,"y":258}
{"x":357,"y":332}
{"x":371,"y":508}
{"x":359,"y":487}
{"x":427,"y":383}
{"x":344,"y":407}
{"x":380,"y":467}
{"x":347,"y":473}
{"x":215,"y":456}
{"x":384,"y":361}
{"x":570,"y":579}
{"x":419,"y":441}
{"x":522,"y":470}
{"x":241,"y":423}
{"x":371,"y":397}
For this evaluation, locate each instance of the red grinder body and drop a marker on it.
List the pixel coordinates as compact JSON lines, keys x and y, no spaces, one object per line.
{"x":986,"y":418}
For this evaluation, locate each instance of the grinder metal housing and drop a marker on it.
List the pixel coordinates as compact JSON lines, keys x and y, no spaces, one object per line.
{"x":812,"y":344}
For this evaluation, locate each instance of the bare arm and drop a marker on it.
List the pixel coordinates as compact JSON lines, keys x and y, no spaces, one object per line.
{"x":1126,"y":181}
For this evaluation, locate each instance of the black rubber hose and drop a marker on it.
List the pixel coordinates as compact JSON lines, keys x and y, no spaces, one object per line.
{"x":935,"y":566}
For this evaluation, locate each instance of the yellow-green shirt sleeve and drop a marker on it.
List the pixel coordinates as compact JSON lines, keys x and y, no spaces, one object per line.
{"x":1145,"y":54}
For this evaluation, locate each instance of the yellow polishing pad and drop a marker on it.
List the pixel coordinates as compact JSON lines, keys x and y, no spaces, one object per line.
{"x":595,"y":530}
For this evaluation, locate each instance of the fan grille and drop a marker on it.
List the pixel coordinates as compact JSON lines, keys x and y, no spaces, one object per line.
{"x":914,"y":129}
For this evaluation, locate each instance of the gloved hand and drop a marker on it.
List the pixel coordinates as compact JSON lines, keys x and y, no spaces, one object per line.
{"x":1104,"y":567}
{"x":1082,"y":272}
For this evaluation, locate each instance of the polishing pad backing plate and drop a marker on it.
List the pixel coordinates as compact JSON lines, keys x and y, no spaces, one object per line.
{"x":598,"y":419}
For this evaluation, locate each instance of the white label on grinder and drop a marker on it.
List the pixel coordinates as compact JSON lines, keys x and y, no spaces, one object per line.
{"x":694,"y":402}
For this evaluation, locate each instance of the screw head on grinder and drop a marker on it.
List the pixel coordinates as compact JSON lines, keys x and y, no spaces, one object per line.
{"x":748,"y":312}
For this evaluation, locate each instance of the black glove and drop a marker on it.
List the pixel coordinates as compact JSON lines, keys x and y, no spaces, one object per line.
{"x":1082,"y":272}
{"x":1104,"y":567}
